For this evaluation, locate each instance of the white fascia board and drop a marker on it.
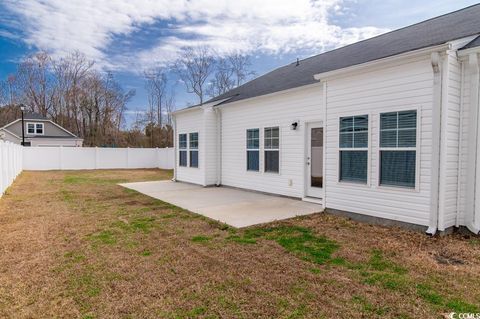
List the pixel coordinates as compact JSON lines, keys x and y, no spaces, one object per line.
{"x":199,"y":106}
{"x":269,"y":95}
{"x":380,"y":62}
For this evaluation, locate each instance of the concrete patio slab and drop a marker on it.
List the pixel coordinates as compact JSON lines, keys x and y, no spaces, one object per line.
{"x":235,"y":207}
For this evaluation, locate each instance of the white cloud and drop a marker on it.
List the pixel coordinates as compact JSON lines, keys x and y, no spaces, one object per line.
{"x":270,"y":26}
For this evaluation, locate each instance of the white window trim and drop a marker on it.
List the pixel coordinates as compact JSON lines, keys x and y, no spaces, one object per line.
{"x":252,"y":149}
{"x":417,"y":149}
{"x":189,"y":164}
{"x":271,"y":149}
{"x":368,"y":149}
{"x":183,"y":149}
{"x":35,"y":128}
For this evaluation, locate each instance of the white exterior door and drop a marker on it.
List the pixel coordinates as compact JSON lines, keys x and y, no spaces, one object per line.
{"x":314,"y":160}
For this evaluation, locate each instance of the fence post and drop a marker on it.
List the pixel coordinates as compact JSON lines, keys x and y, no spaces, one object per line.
{"x":60,"y":156}
{"x":96,"y":157}
{"x":128,"y":157}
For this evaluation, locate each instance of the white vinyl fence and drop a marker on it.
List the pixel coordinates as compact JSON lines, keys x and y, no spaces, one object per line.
{"x":10,"y":164}
{"x":77,"y":158}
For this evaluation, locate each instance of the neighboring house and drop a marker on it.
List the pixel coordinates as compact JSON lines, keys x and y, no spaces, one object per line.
{"x":386,"y":128}
{"x":39,"y":131}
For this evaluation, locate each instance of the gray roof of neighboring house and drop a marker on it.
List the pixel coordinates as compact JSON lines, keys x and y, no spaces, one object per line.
{"x":34,"y":116}
{"x":472,"y":44}
{"x":435,"y":31}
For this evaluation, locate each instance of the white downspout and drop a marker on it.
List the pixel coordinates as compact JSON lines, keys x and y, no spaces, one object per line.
{"x":218,"y":112}
{"x":473,"y":223}
{"x":436,"y":140}
{"x":174,"y":118}
{"x":460,"y":147}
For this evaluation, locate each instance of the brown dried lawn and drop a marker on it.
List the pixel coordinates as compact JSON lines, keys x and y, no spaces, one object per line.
{"x":76,"y":245}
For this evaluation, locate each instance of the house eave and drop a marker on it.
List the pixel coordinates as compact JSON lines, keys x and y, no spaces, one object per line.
{"x":379,"y":62}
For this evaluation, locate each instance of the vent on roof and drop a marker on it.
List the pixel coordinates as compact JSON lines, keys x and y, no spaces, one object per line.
{"x":298,"y":62}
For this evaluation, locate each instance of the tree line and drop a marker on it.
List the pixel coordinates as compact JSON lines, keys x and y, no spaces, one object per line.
{"x":92,"y":104}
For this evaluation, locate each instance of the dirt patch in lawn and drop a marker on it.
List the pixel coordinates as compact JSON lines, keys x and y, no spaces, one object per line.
{"x":75,"y":244}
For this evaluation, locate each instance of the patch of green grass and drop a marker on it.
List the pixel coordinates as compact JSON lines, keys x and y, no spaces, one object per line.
{"x":382,"y":271}
{"x":82,"y":179}
{"x":66,"y":196}
{"x":379,"y":263}
{"x":298,"y":312}
{"x":315,"y":270}
{"x":74,"y":257}
{"x":145,"y":252}
{"x":459,"y":305}
{"x":387,"y":280}
{"x":201,"y":239}
{"x":143,"y":224}
{"x":86,"y":283}
{"x":241,"y":240}
{"x":298,"y":240}
{"x":105,"y":237}
{"x":428,"y":294}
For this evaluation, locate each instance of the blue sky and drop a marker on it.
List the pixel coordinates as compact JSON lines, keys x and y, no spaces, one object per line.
{"x":128,"y":37}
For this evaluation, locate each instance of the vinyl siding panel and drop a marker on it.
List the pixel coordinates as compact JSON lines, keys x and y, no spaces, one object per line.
{"x":210,"y":145}
{"x":191,"y":122}
{"x":277,"y":110}
{"x":404,"y":85}
{"x":450,"y":141}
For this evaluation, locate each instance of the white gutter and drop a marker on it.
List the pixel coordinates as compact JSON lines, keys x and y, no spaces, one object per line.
{"x":379,"y":62}
{"x":174,"y":118}
{"x":436,"y":138}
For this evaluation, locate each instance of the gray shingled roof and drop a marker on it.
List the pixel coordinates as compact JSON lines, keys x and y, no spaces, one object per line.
{"x":34,"y":116}
{"x":436,"y":31}
{"x":472,"y":44}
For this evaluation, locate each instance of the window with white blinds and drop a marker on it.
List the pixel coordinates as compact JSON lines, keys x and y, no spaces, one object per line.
{"x":398,"y":148}
{"x":253,"y":149}
{"x":271,"y":145}
{"x":182,"y":150}
{"x":193,"y":144}
{"x":353,"y":148}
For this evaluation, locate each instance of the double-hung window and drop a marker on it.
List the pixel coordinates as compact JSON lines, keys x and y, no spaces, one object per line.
{"x":354,"y":149}
{"x":182,"y":153}
{"x":253,"y":149}
{"x":193,"y":149}
{"x":35,"y":128}
{"x":398,"y":148}
{"x":272,"y":149}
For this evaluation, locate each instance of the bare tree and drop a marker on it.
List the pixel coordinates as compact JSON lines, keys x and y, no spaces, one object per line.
{"x":223,"y":78}
{"x":230,"y":72}
{"x":194,"y":67}
{"x":36,"y":83}
{"x":240,"y":65}
{"x":69,"y":73}
{"x":156,"y":85}
{"x":70,"y":92}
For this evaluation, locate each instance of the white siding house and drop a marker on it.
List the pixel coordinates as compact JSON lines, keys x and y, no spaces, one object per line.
{"x":386,"y":128}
